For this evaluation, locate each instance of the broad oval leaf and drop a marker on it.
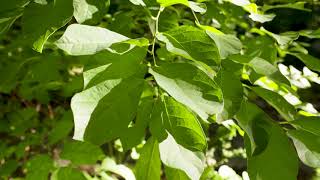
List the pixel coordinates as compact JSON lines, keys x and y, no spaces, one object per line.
{"x":308,"y":147}
{"x":90,"y":10}
{"x":232,"y":92}
{"x":277,"y":101}
{"x":262,"y":66}
{"x":149,"y":165}
{"x":114,"y":111}
{"x":282,"y":39}
{"x":195,"y":6}
{"x":311,"y":62}
{"x":226,"y":43}
{"x":68,"y":173}
{"x":170,"y":115}
{"x":41,"y":21}
{"x":190,"y":86}
{"x":270,"y":153}
{"x":85,"y":40}
{"x":62,"y":128}
{"x":175,"y":156}
{"x":191,"y":43}
{"x":39,"y":167}
{"x":111,"y":96}
{"x":310,"y":124}
{"x":136,"y":132}
{"x":77,"y":152}
{"x":175,"y":174}
{"x":183,"y":125}
{"x":84,"y":103}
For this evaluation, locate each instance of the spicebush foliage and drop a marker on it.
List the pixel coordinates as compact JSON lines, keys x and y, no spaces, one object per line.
{"x":158,"y":89}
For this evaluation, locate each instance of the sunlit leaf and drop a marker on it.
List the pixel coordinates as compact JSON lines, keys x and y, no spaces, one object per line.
{"x":190,"y":86}
{"x":175,"y":156}
{"x":149,"y":165}
{"x":286,"y":110}
{"x":93,"y":10}
{"x":191,"y":43}
{"x":85,"y":40}
{"x":308,"y":147}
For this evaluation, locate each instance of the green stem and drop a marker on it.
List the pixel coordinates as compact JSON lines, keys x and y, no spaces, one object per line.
{"x":195,"y":16}
{"x":155,"y":35}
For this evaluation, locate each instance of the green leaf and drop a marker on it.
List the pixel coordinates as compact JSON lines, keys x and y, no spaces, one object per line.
{"x":190,"y":86}
{"x":41,"y":21}
{"x":149,"y":165}
{"x":232,"y":92}
{"x":262,"y":18}
{"x":84,"y":103}
{"x":195,"y":6}
{"x":311,"y":62}
{"x":166,"y":3}
{"x":175,"y":174}
{"x":111,"y":96}
{"x":169,"y":115}
{"x":8,"y":168}
{"x":90,"y":10}
{"x":122,"y":23}
{"x":198,"y":7}
{"x":156,"y":125}
{"x":308,"y":147}
{"x":9,"y":13}
{"x":39,"y":167}
{"x":8,"y":76}
{"x":278,"y":161}
{"x":109,"y":164}
{"x":249,"y":116}
{"x":296,"y":5}
{"x":168,"y":20}
{"x":13,"y":5}
{"x":262,"y":66}
{"x":119,"y":106}
{"x":43,"y":2}
{"x":85,"y":40}
{"x":175,"y":156}
{"x":226,"y":43}
{"x":81,"y":152}
{"x":68,"y":173}
{"x":310,"y":33}
{"x":138,"y":2}
{"x":134,"y":134}
{"x":253,"y":9}
{"x":283,"y":39}
{"x":183,"y":125}
{"x":191,"y":43}
{"x":267,"y":48}
{"x":270,"y":154}
{"x":61,"y":129}
{"x":310,"y":124}
{"x":277,"y":101}
{"x":7,"y":19}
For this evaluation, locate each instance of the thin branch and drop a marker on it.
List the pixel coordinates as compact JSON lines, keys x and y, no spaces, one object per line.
{"x":155,"y":35}
{"x":195,"y":16}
